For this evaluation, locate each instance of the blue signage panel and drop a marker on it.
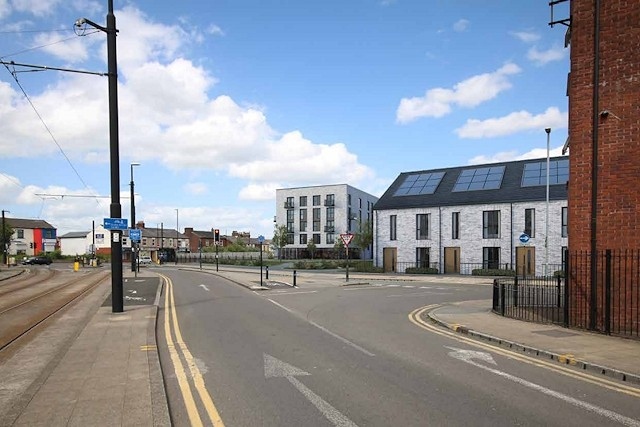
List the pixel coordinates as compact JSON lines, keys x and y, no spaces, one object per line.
{"x":524,"y":237}
{"x":135,"y":235}
{"x":261,"y":238}
{"x":115,"y":224}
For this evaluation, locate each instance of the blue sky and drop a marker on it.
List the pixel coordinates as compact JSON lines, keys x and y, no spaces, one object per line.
{"x":223,"y":102}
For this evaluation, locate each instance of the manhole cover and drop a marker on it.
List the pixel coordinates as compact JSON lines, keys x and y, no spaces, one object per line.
{"x":556,"y":334}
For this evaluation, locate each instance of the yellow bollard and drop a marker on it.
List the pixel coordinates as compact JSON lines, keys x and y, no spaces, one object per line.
{"x":76,"y":266}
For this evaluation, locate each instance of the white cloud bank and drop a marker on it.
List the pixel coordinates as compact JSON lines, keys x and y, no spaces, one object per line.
{"x":468,"y":93}
{"x":513,"y":123}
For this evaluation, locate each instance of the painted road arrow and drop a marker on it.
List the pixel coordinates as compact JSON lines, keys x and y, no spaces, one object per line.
{"x":276,"y":368}
{"x":204,"y":287}
{"x":468,"y":356}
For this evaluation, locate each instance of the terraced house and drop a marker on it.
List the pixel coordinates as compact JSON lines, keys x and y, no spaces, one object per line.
{"x":484,"y":216}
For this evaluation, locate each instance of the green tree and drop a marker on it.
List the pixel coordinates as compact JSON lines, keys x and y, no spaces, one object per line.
{"x":280,"y":238}
{"x":5,"y":237}
{"x":311,"y":247}
{"x":364,"y":237}
{"x":338,"y":247}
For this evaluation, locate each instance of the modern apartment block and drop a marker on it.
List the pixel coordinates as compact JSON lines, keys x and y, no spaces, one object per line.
{"x":484,"y":216}
{"x":320,"y":214}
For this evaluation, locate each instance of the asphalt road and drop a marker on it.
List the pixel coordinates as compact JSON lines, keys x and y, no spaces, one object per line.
{"x":351,"y":356}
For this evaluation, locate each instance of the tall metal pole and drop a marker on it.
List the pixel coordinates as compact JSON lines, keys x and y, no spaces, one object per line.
{"x":4,"y":243}
{"x":177,"y":245}
{"x":546,"y":232}
{"x":133,"y":220}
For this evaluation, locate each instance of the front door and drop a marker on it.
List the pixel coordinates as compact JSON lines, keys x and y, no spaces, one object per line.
{"x":526,"y":261}
{"x":389,"y":259}
{"x":451,"y":260}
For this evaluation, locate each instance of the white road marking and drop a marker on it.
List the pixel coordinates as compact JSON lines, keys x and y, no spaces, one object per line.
{"x":204,"y":287}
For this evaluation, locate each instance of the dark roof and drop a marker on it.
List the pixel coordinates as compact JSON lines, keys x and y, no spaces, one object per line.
{"x":510,"y":189}
{"x":205,"y":234}
{"x":75,"y":235}
{"x":31,"y":224}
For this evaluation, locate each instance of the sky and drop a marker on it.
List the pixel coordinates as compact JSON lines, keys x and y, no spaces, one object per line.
{"x":221,"y":102}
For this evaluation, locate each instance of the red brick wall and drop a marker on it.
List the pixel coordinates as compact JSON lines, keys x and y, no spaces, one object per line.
{"x":618,"y":185}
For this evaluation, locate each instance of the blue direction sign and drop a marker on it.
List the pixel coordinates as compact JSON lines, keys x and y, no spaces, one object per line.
{"x":524,"y":237}
{"x":135,"y":235}
{"x":261,"y":238}
{"x":115,"y":224}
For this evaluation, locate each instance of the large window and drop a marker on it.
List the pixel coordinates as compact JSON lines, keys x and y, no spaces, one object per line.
{"x":330,"y":200}
{"x":491,"y":225}
{"x":316,"y":239}
{"x":20,"y":234}
{"x":422,"y":226}
{"x":422,"y":257}
{"x":330,"y":225}
{"x":290,"y":215}
{"x":331,"y":238}
{"x":289,"y":203}
{"x":316,"y":219}
{"x":565,"y":222}
{"x":393,"y":227}
{"x":316,"y":200}
{"x":530,"y":222}
{"x":303,"y":220}
{"x":455,"y":225}
{"x":303,"y":200}
{"x":303,"y":239}
{"x":490,"y":257}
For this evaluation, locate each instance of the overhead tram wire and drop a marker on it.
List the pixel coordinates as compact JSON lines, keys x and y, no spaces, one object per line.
{"x":43,"y":46}
{"x":15,"y":77}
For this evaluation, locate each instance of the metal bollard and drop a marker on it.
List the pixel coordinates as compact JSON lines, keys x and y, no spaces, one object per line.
{"x":294,"y":278}
{"x":267,"y":273}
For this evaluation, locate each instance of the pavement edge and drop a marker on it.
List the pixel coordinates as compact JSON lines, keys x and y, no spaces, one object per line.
{"x":159,"y":400}
{"x":530,"y":350}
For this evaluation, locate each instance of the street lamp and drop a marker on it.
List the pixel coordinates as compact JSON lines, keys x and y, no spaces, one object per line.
{"x":133,"y":221}
{"x":4,"y":238}
{"x":177,"y":245}
{"x":546,"y":232}
{"x":115,"y":209}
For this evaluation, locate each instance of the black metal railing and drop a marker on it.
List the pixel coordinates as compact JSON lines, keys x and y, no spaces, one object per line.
{"x":599,"y":293}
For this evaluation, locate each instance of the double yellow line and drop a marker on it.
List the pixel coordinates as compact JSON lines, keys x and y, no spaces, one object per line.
{"x":416,"y":318}
{"x":175,"y":349}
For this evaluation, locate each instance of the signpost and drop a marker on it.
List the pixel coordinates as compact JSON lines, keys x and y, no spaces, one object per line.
{"x":524,"y":238}
{"x":135,"y":235}
{"x":115,"y":224}
{"x":346,"y":239}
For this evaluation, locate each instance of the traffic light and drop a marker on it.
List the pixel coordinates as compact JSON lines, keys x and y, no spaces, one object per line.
{"x":31,"y":245}
{"x":216,"y":235}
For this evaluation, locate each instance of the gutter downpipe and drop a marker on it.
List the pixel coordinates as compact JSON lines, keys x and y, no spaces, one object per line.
{"x":594,"y":167}
{"x":440,"y":249}
{"x":513,"y":263}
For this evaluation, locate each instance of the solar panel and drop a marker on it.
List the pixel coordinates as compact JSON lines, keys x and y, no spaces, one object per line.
{"x":485,"y":178}
{"x":419,"y":183}
{"x":535,"y":174}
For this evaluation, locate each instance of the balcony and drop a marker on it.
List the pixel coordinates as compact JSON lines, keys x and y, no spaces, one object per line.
{"x":288,"y":205}
{"x":329,"y":229}
{"x":329,"y":202}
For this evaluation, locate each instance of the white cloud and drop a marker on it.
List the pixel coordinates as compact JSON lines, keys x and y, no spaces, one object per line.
{"x":36,"y":7}
{"x":215,"y":30}
{"x":259,"y":191}
{"x":543,"y":57}
{"x":468,"y":93}
{"x":507,"y":156}
{"x":526,"y":36}
{"x":513,"y":123}
{"x":461,"y":25}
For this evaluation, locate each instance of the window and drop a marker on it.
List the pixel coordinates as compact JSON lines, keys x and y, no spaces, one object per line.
{"x":491,"y":225}
{"x":455,"y":225}
{"x":330,"y":225}
{"x":290,"y":227}
{"x":303,"y":220}
{"x":290,"y":239}
{"x":330,"y":200}
{"x":303,"y":239}
{"x":535,"y":174}
{"x":20,"y":234}
{"x":422,"y":257}
{"x":422,"y":226}
{"x":316,"y":219}
{"x":393,"y":231}
{"x":565,"y":222}
{"x":349,"y":199}
{"x":316,"y":200}
{"x":490,"y":257}
{"x":359,"y":203}
{"x":419,"y":183}
{"x":331,"y":238}
{"x":480,"y":179}
{"x":564,"y":257}
{"x":289,"y":203}
{"x":144,"y":241}
{"x":530,"y":222}
{"x":303,"y":200}
{"x":316,"y":239}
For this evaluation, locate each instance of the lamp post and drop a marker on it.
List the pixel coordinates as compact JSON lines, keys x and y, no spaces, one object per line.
{"x":546,"y":232}
{"x":133,"y":221}
{"x":5,"y":261}
{"x":115,"y":209}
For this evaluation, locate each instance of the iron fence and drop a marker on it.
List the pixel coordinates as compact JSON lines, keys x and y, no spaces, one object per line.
{"x":599,"y":293}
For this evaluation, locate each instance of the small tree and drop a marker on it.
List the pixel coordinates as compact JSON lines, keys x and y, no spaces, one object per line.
{"x":5,"y":238}
{"x":311,"y":247}
{"x":338,"y":247}
{"x":280,"y":238}
{"x":364,"y":237}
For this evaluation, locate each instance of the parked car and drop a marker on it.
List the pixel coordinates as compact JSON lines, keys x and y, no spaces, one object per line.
{"x":144,"y":260}
{"x":41,"y":260}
